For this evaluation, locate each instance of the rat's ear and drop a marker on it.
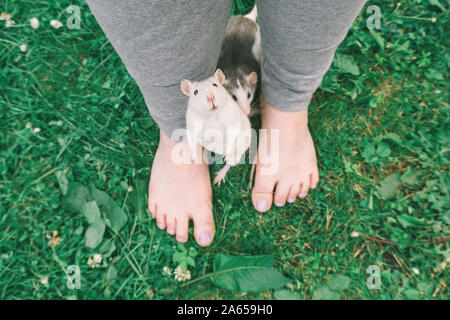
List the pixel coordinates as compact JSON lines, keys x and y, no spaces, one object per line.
{"x":252,"y":78}
{"x":186,"y":87}
{"x":219,"y":76}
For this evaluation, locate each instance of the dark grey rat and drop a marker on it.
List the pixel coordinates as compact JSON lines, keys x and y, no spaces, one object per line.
{"x":240,"y":57}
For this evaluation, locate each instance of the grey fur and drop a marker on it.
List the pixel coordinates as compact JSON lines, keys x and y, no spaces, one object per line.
{"x":237,"y":60}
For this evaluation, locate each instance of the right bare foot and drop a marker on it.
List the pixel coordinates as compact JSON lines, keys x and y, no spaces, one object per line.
{"x":179,"y":192}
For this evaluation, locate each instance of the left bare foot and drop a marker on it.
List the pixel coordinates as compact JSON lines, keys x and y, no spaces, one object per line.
{"x":291,"y":170}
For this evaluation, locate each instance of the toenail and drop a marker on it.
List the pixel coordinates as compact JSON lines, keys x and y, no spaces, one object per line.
{"x":161,"y":225}
{"x":279,"y":204}
{"x":261,"y":205}
{"x":303,"y":194}
{"x":182,"y":240}
{"x":171,"y":231}
{"x":291,"y":200}
{"x":205,"y":238}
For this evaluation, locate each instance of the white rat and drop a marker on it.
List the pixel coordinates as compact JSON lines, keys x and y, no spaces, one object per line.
{"x":215,"y":121}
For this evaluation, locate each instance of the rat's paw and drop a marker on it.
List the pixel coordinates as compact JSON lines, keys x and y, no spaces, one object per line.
{"x":219,"y":179}
{"x":220,"y":175}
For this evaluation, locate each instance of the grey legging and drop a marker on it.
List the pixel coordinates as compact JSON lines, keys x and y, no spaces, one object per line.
{"x":164,"y":41}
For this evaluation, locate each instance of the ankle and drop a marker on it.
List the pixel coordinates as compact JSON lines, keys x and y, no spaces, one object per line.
{"x":289,"y":120}
{"x":178,"y":153}
{"x":165,"y":142}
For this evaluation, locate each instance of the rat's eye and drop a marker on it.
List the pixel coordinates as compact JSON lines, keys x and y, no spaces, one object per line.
{"x":196,"y":92}
{"x":215,"y":85}
{"x":234,"y":97}
{"x":248,"y":95}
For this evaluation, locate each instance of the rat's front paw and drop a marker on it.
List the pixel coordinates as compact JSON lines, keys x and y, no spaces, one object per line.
{"x":219,"y":179}
{"x":220,"y":175}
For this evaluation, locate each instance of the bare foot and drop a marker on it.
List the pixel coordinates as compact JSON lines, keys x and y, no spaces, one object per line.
{"x":292,"y":169}
{"x":179,"y":191}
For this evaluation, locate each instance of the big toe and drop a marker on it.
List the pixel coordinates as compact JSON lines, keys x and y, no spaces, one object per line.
{"x":262,"y":193}
{"x":203,"y":225}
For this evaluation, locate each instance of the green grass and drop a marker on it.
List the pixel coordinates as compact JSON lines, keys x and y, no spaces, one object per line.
{"x":382,"y":139}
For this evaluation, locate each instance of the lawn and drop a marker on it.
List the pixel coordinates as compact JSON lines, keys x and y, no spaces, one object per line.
{"x":75,"y":129}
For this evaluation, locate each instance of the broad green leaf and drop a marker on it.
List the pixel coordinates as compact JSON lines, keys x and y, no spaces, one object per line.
{"x":346,"y":64}
{"x":325,"y":293}
{"x":77,"y":195}
{"x":333,"y":289}
{"x":410,"y":177}
{"x":247,"y":273}
{"x":94,"y":234}
{"x":285,"y":294}
{"x":111,"y":275}
{"x":389,"y":186}
{"x":409,"y":221}
{"x":434,"y":74}
{"x":411,"y":294}
{"x":383,"y":150}
{"x":62,"y":181}
{"x":338,"y":283}
{"x":393,"y":136}
{"x":113,"y":215}
{"x":369,"y":152}
{"x":91,"y":212}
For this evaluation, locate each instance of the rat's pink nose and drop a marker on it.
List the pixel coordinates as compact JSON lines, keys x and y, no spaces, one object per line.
{"x":210,"y":98}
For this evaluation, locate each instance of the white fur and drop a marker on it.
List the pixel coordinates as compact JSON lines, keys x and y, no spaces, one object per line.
{"x":224,"y":131}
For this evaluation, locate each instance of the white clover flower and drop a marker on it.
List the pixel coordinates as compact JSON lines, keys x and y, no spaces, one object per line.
{"x":36,"y":130}
{"x":34,"y":23}
{"x":5,"y":16}
{"x":23,"y":48}
{"x":181,"y":275}
{"x":56,"y":24}
{"x":56,"y":123}
{"x":416,"y":271}
{"x":95,"y":261}
{"x":354,"y":234}
{"x":44,"y":281}
{"x":9,"y":23}
{"x":167,"y":271}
